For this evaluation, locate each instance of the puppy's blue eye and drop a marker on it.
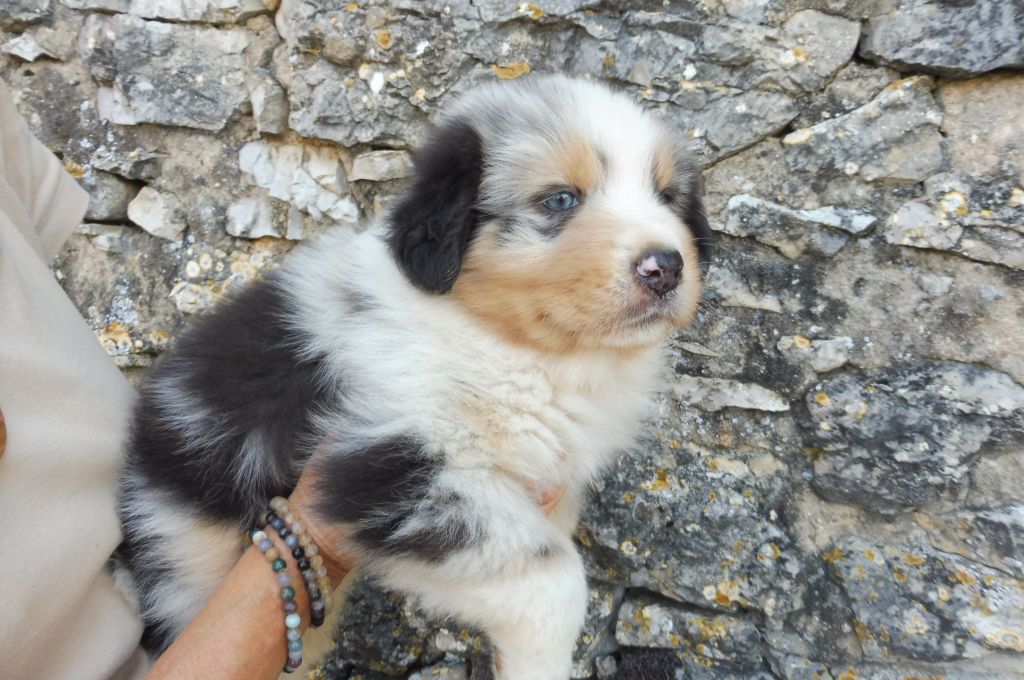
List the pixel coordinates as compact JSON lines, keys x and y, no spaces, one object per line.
{"x":563,"y":200}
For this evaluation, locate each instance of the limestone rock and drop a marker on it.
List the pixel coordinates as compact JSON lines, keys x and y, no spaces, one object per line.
{"x":945,"y":37}
{"x":597,"y":639}
{"x":892,"y":439}
{"x":168,"y":74}
{"x":917,"y":603}
{"x":644,"y":623}
{"x":378,"y":166}
{"x":983,"y":220}
{"x":822,"y":231}
{"x":109,"y":196}
{"x":310,"y":180}
{"x":269,"y":103}
{"x":894,"y":137}
{"x":206,"y":11}
{"x":158,"y":213}
{"x":25,"y":47}
{"x":17,"y":14}
{"x":713,"y":394}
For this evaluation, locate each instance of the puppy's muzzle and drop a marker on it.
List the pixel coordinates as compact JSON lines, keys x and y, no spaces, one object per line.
{"x":659,"y":270}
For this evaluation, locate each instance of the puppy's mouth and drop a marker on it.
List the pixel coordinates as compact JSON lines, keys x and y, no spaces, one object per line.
{"x":648,"y":309}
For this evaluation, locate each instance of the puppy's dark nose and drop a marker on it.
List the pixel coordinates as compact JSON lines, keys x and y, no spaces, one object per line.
{"x":659,"y":270}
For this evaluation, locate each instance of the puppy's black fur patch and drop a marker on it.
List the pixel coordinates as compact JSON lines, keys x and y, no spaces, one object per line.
{"x":696,"y":219}
{"x":379,"y":488}
{"x":244,"y":365}
{"x":433,"y":224}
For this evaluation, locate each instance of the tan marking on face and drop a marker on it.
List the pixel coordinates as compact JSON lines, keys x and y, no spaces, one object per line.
{"x":664,"y":167}
{"x":578,"y":162}
{"x":573,"y":292}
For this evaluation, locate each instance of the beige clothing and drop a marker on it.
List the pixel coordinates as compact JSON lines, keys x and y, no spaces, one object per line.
{"x":66,"y":407}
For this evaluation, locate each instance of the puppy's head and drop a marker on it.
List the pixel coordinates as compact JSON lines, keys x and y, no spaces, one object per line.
{"x":560,"y":214}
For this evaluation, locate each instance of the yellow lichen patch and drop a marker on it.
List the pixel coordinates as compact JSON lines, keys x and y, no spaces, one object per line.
{"x":584,"y":539}
{"x":73,"y":168}
{"x":801,"y":342}
{"x":823,"y":400}
{"x":848,"y":674}
{"x":988,"y":579}
{"x":873,"y":596}
{"x":629,"y":496}
{"x":870,"y":554}
{"x":1017,"y":198}
{"x":513,"y":70}
{"x":675,"y":443}
{"x":834,"y":555}
{"x":798,"y":136}
{"x":912,"y":560}
{"x":964,"y":578}
{"x":532,"y":10}
{"x":954,"y":203}
{"x":628,"y":547}
{"x":383,"y":37}
{"x":352,"y":6}
{"x":710,"y":629}
{"x":899,"y":576}
{"x":115,"y":339}
{"x":1006,"y":638}
{"x":609,"y":60}
{"x":862,"y":632}
{"x":942,"y":594}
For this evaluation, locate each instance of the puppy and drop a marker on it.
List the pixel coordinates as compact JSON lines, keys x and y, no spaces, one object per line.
{"x":497,"y":333}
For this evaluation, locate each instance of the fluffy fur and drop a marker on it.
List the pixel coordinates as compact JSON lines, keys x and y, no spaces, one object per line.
{"x":472,"y":347}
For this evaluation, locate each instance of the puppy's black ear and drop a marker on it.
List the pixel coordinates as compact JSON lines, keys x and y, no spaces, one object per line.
{"x":435,"y":219}
{"x":697,"y":221}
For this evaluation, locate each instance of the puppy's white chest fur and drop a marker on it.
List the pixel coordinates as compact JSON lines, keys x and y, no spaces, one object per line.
{"x":415,"y":362}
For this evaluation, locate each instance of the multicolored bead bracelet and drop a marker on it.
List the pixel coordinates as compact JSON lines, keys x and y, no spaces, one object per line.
{"x":292,"y":620}
{"x":305,"y":551}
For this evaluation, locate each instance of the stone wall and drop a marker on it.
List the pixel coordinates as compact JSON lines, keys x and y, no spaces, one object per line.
{"x":832,"y":485}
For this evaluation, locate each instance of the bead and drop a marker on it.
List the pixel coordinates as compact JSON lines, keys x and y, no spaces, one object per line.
{"x":304,"y":564}
{"x":314,"y":591}
{"x":289,"y":669}
{"x":292,"y":621}
{"x":298,"y":527}
{"x":295,"y":645}
{"x":318,"y":605}
{"x":298,"y":553}
{"x":292,"y":541}
{"x":278,"y":502}
{"x":316,"y":561}
{"x":311,"y":549}
{"x":321,"y":572}
{"x":287,"y":593}
{"x":259,"y":535}
{"x":309,"y":576}
{"x":290,"y":607}
{"x":284,"y":532}
{"x":272,"y":554}
{"x":305,"y":541}
{"x":284,"y":579}
{"x":293,"y":634}
{"x":279,"y":564}
{"x":264,"y":545}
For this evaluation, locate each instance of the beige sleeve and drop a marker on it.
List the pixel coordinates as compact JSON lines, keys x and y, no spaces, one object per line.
{"x":66,"y":409}
{"x":35,"y":192}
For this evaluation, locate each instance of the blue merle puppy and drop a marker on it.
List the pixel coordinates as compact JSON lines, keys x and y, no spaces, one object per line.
{"x":498,"y":332}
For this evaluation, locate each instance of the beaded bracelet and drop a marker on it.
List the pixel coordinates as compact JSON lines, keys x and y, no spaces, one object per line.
{"x":311,"y":564}
{"x":292,"y":620}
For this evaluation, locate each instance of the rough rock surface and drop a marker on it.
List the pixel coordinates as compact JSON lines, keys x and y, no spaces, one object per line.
{"x":829,"y":485}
